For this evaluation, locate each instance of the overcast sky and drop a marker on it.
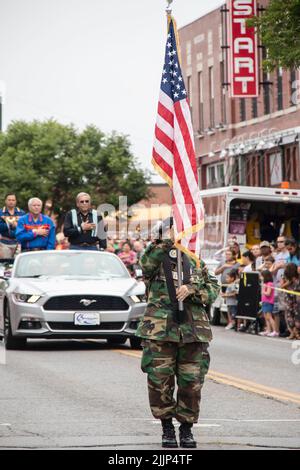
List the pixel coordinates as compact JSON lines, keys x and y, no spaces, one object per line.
{"x":88,"y":62}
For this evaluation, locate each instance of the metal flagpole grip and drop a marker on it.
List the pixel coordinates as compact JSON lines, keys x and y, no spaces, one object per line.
{"x":179,"y":274}
{"x":169,"y":9}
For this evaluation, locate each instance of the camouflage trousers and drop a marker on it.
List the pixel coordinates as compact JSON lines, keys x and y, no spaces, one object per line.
{"x":165,"y":361}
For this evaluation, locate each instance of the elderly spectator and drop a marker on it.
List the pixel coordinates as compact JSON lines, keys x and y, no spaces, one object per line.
{"x":35,"y":231}
{"x":84,"y":227}
{"x":291,"y":282}
{"x":139,"y":249}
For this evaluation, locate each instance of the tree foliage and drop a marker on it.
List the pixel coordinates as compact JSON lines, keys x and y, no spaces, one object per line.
{"x":54,"y":161}
{"x":279,"y":29}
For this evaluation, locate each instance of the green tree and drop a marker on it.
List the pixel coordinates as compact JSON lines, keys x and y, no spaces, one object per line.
{"x":279,"y":29}
{"x":55,"y":162}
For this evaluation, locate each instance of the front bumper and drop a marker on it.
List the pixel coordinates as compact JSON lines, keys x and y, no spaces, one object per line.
{"x":60,"y":324}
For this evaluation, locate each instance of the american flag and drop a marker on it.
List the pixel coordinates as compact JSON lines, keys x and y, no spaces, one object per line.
{"x":174,"y":155}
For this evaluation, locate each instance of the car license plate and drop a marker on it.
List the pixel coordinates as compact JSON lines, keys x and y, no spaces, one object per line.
{"x":87,"y":318}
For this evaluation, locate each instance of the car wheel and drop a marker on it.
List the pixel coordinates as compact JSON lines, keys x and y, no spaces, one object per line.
{"x":116,"y":340}
{"x":10,"y":341}
{"x":135,"y":342}
{"x":216,"y":317}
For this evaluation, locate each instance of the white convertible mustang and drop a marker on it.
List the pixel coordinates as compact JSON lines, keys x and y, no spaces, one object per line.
{"x":69,"y":294}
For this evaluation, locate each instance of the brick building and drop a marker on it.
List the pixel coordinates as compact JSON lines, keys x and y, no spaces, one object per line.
{"x":246,"y":141}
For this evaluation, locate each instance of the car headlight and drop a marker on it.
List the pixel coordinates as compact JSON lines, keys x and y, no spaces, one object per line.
{"x":138,"y":298}
{"x":27,"y":298}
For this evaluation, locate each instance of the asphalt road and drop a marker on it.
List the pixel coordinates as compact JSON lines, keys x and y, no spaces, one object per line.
{"x":87,"y":395}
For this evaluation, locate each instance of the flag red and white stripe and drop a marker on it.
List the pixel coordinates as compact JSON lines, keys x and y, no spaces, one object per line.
{"x":174,"y":155}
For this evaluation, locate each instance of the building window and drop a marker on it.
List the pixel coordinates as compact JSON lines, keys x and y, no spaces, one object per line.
{"x":254,"y":108}
{"x":211,"y":97}
{"x":275,"y":168}
{"x":242,"y":109}
{"x":216,"y":176}
{"x":190,"y":93}
{"x":279,"y":89}
{"x":223,"y":95}
{"x":221,"y":175}
{"x":235,"y":172}
{"x":266,"y":88}
{"x":261,"y":179}
{"x":293,"y":87}
{"x":290,"y":170}
{"x":211,"y":177}
{"x":201,"y":104}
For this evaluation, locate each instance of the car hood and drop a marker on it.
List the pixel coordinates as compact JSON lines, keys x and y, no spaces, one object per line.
{"x":71,"y":286}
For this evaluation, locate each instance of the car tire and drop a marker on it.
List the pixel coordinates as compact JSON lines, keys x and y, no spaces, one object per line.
{"x":10,"y":341}
{"x":135,"y":342}
{"x":216,"y":317}
{"x":116,"y":340}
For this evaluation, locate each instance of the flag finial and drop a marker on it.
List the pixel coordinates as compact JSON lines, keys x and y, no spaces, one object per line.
{"x":169,"y":9}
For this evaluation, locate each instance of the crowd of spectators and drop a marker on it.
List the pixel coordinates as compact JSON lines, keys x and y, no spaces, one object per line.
{"x":278,"y":267}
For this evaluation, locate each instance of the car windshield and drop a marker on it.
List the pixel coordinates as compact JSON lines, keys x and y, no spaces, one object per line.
{"x":74,"y":264}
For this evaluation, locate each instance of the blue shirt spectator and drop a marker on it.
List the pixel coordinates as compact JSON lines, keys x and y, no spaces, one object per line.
{"x":36,"y":231}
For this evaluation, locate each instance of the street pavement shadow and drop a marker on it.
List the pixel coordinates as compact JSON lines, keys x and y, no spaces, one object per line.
{"x":71,"y":345}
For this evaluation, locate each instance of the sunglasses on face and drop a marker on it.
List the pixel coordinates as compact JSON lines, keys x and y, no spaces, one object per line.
{"x":82,"y":202}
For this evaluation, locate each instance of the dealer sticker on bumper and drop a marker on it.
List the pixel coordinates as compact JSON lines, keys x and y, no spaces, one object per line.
{"x":87,"y":318}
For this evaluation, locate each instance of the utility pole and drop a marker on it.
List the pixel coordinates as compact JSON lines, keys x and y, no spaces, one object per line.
{"x":0,"y":113}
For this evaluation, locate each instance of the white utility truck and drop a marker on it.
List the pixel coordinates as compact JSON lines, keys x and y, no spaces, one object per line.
{"x":227,"y":211}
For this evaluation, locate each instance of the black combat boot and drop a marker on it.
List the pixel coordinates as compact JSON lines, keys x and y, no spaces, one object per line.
{"x":186,"y":437}
{"x":169,"y":436}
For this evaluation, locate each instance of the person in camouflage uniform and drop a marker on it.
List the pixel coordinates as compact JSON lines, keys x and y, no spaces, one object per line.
{"x":172,"y":348}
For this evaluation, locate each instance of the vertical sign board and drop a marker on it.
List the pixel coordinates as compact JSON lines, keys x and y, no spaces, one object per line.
{"x":244,"y":76}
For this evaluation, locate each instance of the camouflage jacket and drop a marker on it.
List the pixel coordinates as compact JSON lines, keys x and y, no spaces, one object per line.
{"x":158,"y":322}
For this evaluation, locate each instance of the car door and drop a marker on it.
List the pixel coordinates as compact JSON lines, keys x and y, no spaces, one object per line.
{"x":3,"y":287}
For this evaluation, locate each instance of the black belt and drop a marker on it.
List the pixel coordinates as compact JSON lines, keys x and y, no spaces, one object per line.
{"x":85,"y":244}
{"x":33,"y":249}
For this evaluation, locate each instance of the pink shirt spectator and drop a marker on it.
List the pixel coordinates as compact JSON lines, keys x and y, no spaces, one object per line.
{"x":128,"y":258}
{"x":270,"y":299}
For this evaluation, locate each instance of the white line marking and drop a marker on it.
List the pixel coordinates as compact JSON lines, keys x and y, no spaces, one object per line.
{"x":2,"y":353}
{"x":198,"y":425}
{"x":253,"y":420}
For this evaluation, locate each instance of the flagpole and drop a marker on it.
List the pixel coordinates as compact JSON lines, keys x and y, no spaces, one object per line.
{"x":179,"y":254}
{"x":169,"y":9}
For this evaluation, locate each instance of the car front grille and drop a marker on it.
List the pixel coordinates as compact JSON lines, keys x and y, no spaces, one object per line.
{"x":73,"y":302}
{"x":104,"y":326}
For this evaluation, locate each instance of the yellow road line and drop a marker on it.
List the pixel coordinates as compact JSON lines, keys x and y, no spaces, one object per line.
{"x":241,"y":384}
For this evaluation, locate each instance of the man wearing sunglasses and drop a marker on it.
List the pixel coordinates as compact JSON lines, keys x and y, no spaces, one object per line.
{"x":84,"y":227}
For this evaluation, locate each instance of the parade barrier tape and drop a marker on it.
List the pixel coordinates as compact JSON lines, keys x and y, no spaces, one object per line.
{"x":291,"y":292}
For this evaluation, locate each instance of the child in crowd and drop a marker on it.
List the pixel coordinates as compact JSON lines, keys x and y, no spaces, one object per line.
{"x":268,"y":300}
{"x":230,"y":295}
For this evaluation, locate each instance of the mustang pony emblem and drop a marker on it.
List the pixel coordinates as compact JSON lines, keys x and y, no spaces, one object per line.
{"x":87,"y":302}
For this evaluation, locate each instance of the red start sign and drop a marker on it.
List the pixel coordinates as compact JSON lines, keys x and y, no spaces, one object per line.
{"x":244,"y":75}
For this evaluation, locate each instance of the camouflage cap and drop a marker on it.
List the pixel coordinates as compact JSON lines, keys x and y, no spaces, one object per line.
{"x":162,"y":227}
